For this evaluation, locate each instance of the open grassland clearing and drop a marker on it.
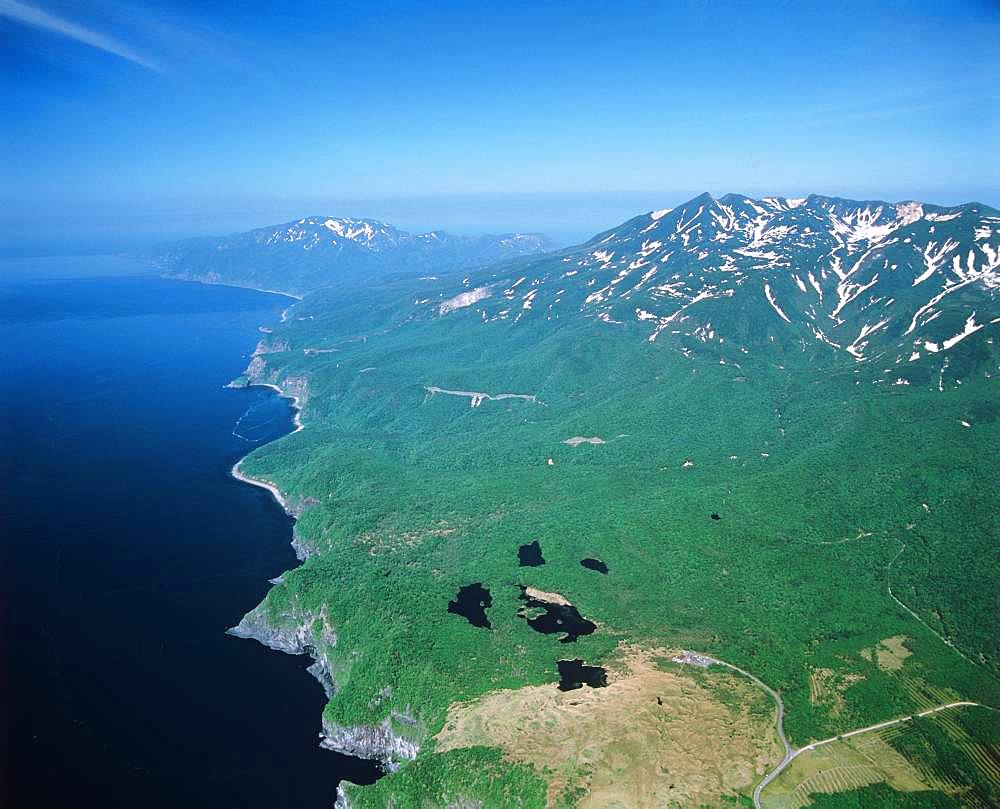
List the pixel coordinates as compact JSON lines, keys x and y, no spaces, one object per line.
{"x":890,"y":654}
{"x":652,"y":736}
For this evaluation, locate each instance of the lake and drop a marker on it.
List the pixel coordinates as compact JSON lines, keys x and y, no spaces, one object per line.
{"x":127,"y":550}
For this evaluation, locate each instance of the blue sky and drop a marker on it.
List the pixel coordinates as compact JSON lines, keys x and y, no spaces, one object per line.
{"x":129,"y":121}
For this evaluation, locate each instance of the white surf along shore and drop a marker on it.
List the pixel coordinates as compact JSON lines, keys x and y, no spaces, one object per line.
{"x":297,"y":421}
{"x":294,"y":633}
{"x":296,"y":406}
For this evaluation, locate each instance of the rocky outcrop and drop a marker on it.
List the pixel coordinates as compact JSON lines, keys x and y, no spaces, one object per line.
{"x":297,"y":636}
{"x":320,"y":669}
{"x":294,"y":637}
{"x":256,"y":370}
{"x":271,"y":346}
{"x":313,"y":634}
{"x":301,"y":545}
{"x":374,"y":742}
{"x":341,"y":802}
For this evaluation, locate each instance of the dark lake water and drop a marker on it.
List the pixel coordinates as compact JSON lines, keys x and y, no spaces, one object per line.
{"x":530,"y":555}
{"x":126,"y":550}
{"x":575,"y":674}
{"x":471,"y":603}
{"x":595,"y":564}
{"x":549,"y":618}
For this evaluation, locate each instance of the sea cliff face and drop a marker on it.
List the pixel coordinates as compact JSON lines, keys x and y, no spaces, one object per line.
{"x":313,"y":634}
{"x":295,"y":636}
{"x":258,"y":372}
{"x":310,"y":633}
{"x":303,"y":547}
{"x":379,"y":742}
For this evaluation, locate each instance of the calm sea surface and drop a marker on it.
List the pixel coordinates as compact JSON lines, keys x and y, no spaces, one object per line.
{"x":126,"y":550}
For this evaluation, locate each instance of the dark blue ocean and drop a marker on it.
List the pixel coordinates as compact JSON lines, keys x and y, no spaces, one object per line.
{"x":127,"y":550}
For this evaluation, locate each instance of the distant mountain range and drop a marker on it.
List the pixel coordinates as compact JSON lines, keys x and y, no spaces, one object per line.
{"x":897,"y":284}
{"x":308,"y":254}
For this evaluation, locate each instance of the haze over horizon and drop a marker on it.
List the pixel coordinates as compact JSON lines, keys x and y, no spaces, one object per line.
{"x":509,"y":405}
{"x":128,"y":125}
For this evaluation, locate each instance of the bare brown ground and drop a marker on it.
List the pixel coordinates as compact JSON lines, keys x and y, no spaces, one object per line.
{"x":649,"y":738}
{"x":892,"y":653}
{"x":548,"y":598}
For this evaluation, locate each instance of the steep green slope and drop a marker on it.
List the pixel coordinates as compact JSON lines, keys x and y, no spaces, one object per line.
{"x":415,"y":476}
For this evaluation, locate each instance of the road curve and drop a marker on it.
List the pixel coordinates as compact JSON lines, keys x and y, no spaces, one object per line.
{"x":779,"y":724}
{"x":790,"y":752}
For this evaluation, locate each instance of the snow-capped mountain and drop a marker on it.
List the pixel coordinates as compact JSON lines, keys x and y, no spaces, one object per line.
{"x":314,"y":252}
{"x":868,"y":282}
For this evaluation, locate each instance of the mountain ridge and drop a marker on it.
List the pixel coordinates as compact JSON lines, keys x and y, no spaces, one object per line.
{"x":657,"y":400}
{"x":909,"y":286}
{"x":302,"y":255}
{"x":863,"y":278}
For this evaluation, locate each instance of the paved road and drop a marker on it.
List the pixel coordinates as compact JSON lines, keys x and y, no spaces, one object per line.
{"x":790,"y":755}
{"x":888,"y":724}
{"x":779,"y":725}
{"x":790,"y":752}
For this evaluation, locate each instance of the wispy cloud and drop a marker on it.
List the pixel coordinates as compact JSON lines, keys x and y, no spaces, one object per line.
{"x":43,"y":20}
{"x":939,"y":97}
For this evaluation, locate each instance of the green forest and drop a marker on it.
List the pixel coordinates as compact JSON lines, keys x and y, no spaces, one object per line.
{"x":828,"y":487}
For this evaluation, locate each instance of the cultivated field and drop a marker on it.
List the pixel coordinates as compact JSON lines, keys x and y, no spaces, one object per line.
{"x":947,"y":753}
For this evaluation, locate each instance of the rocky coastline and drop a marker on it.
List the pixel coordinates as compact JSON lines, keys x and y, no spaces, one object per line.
{"x":299,"y":634}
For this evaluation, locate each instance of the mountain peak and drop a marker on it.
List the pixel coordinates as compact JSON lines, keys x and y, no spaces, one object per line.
{"x":861,"y":281}
{"x":704,"y":198}
{"x":316,"y":251}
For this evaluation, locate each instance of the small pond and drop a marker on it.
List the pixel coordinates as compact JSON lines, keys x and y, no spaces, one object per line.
{"x":548,"y":618}
{"x":595,"y":564}
{"x":530,"y":555}
{"x":471,"y":603}
{"x":576,"y":674}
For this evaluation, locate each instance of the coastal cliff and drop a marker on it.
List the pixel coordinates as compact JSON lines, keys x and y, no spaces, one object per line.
{"x":293,"y":638}
{"x":314,"y":635}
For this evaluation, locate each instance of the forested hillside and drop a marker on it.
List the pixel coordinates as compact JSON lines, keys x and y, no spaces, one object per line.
{"x":761,"y":430}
